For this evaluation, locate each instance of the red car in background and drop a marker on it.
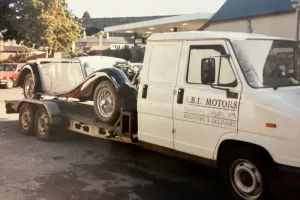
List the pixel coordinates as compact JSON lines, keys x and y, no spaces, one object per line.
{"x":9,"y":72}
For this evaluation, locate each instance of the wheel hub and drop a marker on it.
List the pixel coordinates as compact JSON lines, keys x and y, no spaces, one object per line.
{"x":43,"y":124}
{"x":106,"y":102}
{"x":29,"y":87}
{"x":26,"y":119}
{"x":246,"y":179}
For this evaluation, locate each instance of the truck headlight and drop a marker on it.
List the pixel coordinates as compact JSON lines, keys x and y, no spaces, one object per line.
{"x":1,"y":77}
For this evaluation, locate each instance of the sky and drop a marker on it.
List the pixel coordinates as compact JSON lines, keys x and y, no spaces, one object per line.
{"x":126,"y":8}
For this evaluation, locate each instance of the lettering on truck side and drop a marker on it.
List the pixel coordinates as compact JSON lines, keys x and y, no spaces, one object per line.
{"x":216,"y":112}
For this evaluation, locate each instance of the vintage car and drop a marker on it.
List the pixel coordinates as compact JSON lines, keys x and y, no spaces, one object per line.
{"x":9,"y":73}
{"x":87,"y":79}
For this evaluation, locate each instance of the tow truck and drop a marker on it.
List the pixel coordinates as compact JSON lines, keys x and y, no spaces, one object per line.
{"x":227,"y":100}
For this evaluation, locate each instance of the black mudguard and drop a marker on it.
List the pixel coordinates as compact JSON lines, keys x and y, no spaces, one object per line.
{"x":27,"y":69}
{"x":126,"y":91}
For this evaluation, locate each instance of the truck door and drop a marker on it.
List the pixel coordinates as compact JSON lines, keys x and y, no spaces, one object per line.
{"x":202,"y":114}
{"x":67,"y":76}
{"x":156,"y":93}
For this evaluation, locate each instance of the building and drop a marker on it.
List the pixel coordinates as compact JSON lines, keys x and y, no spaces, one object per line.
{"x":95,"y":25}
{"x":270,"y":17}
{"x":120,"y":42}
{"x":102,"y":43}
{"x":10,"y":51}
{"x":189,"y":22}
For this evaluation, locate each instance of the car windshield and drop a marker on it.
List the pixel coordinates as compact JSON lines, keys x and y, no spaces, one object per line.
{"x":268,"y":63}
{"x":8,"y":68}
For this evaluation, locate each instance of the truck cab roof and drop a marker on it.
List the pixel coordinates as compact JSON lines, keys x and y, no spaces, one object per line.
{"x":205,"y":35}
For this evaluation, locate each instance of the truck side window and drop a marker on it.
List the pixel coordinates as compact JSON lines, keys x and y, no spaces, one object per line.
{"x":224,"y":75}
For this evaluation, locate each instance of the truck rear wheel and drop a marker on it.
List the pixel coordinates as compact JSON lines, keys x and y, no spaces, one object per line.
{"x":43,"y":129}
{"x":247,"y":174}
{"x":26,"y":119}
{"x":106,"y":102}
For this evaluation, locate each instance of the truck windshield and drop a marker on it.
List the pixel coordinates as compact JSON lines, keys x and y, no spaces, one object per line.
{"x":268,"y":63}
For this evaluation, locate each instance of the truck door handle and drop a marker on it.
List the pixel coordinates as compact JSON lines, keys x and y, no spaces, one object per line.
{"x":145,"y":91}
{"x":180,"y":96}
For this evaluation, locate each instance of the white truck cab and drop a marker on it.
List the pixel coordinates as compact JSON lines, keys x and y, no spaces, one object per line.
{"x":228,"y":99}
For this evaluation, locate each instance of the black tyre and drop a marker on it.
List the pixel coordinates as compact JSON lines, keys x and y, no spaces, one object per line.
{"x":43,"y":129}
{"x":9,"y":83}
{"x":26,"y":119}
{"x":28,"y":88}
{"x":106,"y":102}
{"x":248,"y":174}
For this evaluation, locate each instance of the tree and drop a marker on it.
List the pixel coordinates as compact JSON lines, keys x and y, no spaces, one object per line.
{"x":86,"y":15}
{"x":40,"y":23}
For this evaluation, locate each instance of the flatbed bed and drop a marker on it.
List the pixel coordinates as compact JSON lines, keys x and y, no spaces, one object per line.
{"x":78,"y":117}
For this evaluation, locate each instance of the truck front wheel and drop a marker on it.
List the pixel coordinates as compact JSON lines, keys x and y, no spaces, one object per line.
{"x":247,"y":174}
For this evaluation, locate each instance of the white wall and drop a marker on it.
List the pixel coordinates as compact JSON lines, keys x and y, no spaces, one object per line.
{"x":282,"y":25}
{"x":120,"y":46}
{"x":235,"y":26}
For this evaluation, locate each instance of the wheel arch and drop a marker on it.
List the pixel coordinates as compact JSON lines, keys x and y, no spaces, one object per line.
{"x":27,"y":69}
{"x":114,"y":75}
{"x":229,"y":144}
{"x":97,"y":82}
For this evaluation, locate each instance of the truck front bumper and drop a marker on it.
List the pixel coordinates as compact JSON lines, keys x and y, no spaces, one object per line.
{"x":290,"y":175}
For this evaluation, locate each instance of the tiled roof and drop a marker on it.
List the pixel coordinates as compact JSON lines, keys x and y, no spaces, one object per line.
{"x":111,"y":40}
{"x":90,"y":39}
{"x":101,"y":23}
{"x":234,"y":9}
{"x":121,"y":40}
{"x":13,"y":48}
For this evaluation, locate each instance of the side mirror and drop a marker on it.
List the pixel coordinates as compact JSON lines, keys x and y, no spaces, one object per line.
{"x":208,"y":71}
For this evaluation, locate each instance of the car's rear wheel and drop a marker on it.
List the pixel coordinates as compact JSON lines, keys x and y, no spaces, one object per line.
{"x":9,"y":83}
{"x":106,"y":102}
{"x":28,"y":88}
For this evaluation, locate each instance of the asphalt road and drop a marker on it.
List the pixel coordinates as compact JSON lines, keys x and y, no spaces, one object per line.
{"x":82,"y":167}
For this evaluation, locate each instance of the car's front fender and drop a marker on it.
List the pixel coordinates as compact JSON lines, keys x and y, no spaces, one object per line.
{"x":124,"y":87}
{"x":27,"y":69}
